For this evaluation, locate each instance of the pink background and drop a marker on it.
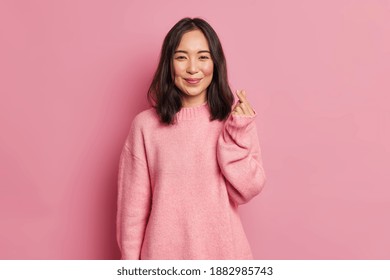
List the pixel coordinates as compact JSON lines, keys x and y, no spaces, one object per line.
{"x":75,"y":73}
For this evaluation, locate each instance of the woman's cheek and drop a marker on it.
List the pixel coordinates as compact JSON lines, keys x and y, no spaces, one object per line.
{"x":208,"y":69}
{"x":177,"y":69}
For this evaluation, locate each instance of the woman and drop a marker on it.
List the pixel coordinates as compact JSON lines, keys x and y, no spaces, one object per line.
{"x":191,"y":159}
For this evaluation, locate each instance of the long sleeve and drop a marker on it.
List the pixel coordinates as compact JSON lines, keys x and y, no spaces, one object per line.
{"x":239,"y":158}
{"x":134,"y":196}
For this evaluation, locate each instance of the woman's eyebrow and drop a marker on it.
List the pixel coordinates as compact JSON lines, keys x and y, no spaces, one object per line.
{"x":202,"y":51}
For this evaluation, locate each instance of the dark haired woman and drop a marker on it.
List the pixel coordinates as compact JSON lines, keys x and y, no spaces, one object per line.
{"x":189,"y":161}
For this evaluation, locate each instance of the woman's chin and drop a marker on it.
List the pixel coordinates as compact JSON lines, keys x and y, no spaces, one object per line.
{"x":193,"y":92}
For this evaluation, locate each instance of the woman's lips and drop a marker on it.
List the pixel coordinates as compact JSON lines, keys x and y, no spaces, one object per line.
{"x":192,"y":81}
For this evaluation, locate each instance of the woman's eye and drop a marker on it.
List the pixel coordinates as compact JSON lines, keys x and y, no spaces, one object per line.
{"x":204,"y":57}
{"x":180,"y":57}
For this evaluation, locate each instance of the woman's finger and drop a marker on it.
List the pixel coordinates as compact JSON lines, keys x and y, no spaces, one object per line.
{"x":243,"y":93}
{"x":240,"y":97}
{"x":238,"y":110}
{"x":245,"y":108}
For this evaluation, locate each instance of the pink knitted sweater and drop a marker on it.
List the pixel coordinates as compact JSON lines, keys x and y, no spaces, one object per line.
{"x":179,"y":186}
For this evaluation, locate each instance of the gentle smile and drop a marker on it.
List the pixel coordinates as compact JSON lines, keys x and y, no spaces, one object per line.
{"x":192,"y":81}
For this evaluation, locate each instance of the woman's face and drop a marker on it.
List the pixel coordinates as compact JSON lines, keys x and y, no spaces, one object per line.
{"x":193,"y":68}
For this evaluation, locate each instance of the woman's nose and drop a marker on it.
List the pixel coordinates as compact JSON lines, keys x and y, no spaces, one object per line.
{"x":192,"y":67}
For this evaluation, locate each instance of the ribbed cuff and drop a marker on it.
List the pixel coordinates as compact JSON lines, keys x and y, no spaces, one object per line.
{"x":236,"y":125}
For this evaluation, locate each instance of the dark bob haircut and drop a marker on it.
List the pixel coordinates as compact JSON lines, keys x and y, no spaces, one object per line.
{"x":165,"y":97}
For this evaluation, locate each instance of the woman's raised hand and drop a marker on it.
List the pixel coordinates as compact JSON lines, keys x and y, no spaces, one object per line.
{"x":242,"y":107}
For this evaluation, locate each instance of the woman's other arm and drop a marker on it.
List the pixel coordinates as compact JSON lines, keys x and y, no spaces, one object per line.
{"x":239,"y":154}
{"x":134,"y":195}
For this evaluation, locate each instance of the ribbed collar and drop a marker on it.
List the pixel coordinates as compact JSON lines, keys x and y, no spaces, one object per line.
{"x":194,"y":112}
